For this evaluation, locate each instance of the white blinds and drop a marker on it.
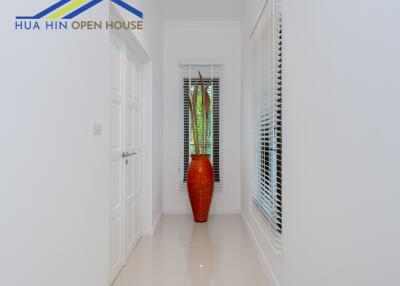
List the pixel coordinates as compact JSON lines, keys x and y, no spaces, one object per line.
{"x":212,"y":74}
{"x":191,"y":70}
{"x":266,"y":195}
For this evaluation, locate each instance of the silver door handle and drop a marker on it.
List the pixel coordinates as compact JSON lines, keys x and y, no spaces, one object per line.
{"x":126,"y":154}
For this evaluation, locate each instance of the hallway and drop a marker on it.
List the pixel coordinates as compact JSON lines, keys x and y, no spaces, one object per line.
{"x":279,"y":118}
{"x":181,"y":252}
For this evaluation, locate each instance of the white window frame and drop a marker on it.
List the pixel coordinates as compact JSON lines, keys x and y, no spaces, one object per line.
{"x":266,"y":195}
{"x":208,"y":69}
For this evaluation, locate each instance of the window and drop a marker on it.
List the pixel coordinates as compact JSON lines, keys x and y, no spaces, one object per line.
{"x":212,"y":75}
{"x":266,"y":41}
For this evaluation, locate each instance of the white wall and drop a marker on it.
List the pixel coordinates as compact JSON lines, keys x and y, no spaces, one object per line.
{"x":154,"y":41}
{"x":54,"y":174}
{"x":202,"y":41}
{"x":205,"y":10}
{"x":341,"y":139}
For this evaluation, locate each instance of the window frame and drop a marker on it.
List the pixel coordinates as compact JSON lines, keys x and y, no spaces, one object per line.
{"x":216,"y":132}
{"x":266,"y":195}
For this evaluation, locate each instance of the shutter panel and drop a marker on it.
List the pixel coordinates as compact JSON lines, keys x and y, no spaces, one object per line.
{"x":212,"y":73}
{"x":266,"y":196}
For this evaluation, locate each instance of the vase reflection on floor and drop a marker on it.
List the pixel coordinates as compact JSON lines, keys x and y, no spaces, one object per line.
{"x":183,"y":253}
{"x":200,"y":256}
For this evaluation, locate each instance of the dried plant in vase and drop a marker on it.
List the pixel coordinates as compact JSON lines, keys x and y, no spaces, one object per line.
{"x":200,"y":176}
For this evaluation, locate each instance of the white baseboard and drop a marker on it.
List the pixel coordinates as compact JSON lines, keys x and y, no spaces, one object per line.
{"x":177,"y":211}
{"x":225,"y":211}
{"x":264,"y":260}
{"x":189,"y":211}
{"x":157,"y":221}
{"x":152,"y":229}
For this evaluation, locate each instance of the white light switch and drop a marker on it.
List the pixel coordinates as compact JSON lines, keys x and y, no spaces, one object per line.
{"x":96,"y":128}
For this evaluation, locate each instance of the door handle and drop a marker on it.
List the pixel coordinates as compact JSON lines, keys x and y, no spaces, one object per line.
{"x":126,"y":154}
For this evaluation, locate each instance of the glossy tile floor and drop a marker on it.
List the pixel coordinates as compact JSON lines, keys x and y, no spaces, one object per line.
{"x":183,"y":253}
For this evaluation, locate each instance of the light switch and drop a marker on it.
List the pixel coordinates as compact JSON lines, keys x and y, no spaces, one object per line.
{"x":96,"y":128}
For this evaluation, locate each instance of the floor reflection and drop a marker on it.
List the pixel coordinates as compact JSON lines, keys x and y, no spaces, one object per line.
{"x":184,"y":253}
{"x":200,"y":259}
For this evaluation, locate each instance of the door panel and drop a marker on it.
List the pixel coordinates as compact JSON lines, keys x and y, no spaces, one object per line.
{"x":116,"y":115}
{"x":117,"y":205}
{"x":137,"y":218}
{"x":129,"y":130}
{"x":116,"y":194}
{"x":134,"y":146}
{"x":116,"y":243}
{"x":126,"y":153}
{"x":137,"y":182}
{"x":137,"y":115}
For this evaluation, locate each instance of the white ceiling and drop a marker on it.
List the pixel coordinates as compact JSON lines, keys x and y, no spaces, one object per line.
{"x":201,"y":10}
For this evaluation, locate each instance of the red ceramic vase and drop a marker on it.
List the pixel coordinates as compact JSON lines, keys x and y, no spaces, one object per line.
{"x":200,"y":183}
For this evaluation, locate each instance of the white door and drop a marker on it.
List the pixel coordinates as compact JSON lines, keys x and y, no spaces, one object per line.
{"x":117,"y":166}
{"x":133,"y":157}
{"x":126,"y":154}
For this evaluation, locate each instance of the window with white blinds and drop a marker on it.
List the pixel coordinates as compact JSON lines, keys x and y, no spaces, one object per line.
{"x":266,"y":196}
{"x":213,"y":76}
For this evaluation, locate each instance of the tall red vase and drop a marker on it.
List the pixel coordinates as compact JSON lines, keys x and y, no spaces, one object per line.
{"x":200,"y":183}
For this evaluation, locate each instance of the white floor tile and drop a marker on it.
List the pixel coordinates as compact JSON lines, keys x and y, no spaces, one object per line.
{"x":183,"y":253}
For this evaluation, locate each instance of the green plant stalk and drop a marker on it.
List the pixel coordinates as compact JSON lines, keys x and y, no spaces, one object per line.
{"x":194,"y":117}
{"x":207,"y":112}
{"x":203,"y":112}
{"x":200,"y":144}
{"x":196,"y":147}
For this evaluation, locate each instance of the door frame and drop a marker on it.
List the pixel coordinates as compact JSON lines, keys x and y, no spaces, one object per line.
{"x":133,"y":44}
